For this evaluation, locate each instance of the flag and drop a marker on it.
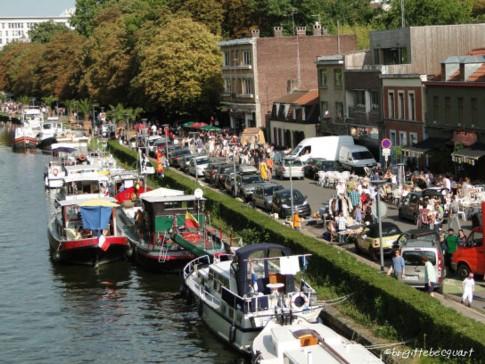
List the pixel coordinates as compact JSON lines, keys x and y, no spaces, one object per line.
{"x":190,"y":221}
{"x":103,"y":244}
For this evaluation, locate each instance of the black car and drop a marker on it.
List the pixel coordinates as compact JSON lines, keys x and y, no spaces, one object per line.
{"x":314,"y":165}
{"x":222,"y":174}
{"x":409,"y":207}
{"x":210,"y":171}
{"x":282,"y":203}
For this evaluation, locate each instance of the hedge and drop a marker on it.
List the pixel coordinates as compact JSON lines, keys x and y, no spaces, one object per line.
{"x":412,"y":313}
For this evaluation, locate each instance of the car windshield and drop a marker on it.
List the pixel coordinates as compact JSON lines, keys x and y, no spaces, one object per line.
{"x":362,"y":155}
{"x":388,"y":229}
{"x":271,"y":189}
{"x":297,"y":150}
{"x":202,"y":161}
{"x":293,"y":162}
{"x":297,"y":196}
{"x":330,"y":165}
{"x":413,"y":257}
{"x":251,"y":179}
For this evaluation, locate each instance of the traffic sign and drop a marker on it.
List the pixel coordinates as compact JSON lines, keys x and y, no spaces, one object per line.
{"x":386,"y":152}
{"x":386,"y":143}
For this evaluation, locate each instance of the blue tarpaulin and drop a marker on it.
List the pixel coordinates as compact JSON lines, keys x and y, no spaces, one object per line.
{"x":95,"y":217}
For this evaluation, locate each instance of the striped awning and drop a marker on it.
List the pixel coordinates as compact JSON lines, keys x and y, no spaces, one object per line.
{"x":467,"y":156}
{"x":414,"y":152}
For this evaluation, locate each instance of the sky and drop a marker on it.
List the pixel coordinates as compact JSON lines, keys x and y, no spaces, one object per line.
{"x":34,"y":7}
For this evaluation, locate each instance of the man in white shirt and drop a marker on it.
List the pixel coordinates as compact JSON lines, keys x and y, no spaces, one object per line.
{"x":468,"y":290}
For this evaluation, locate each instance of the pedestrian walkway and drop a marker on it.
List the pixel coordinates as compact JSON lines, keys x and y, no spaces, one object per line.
{"x":453,"y":290}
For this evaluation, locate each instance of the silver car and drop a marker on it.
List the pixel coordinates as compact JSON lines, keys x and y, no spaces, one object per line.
{"x":289,"y":167}
{"x":198,"y":165}
{"x":263,"y":195}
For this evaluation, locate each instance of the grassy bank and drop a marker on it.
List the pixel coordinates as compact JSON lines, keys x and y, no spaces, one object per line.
{"x":406,"y":313}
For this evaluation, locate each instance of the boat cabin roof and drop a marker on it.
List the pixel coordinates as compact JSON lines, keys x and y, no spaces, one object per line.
{"x":223,"y":268}
{"x":82,"y":199}
{"x":154,"y":199}
{"x":88,"y":177}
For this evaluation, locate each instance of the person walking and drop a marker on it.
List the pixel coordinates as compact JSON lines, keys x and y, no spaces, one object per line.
{"x":468,"y":290}
{"x":429,"y":275}
{"x":296,"y":221}
{"x":397,"y":265}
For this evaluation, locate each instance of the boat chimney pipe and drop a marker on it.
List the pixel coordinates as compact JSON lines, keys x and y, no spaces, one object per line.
{"x":309,"y":358}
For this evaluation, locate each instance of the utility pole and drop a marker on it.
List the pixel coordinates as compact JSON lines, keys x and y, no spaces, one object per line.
{"x":403,"y":23}
{"x":290,"y":163}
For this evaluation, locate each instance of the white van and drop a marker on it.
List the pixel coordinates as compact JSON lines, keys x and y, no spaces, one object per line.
{"x":356,"y":156}
{"x":326,"y":147}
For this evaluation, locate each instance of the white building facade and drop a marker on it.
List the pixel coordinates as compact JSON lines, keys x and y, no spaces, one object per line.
{"x":16,"y":29}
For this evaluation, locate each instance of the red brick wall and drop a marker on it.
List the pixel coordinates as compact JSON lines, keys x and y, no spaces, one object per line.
{"x":417,"y":97}
{"x":277,"y":63}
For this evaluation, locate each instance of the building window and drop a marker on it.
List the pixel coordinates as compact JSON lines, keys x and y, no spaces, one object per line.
{"x":411,"y":106}
{"x":413,"y":138}
{"x":323,"y":77}
{"x":227,"y":58}
{"x":377,"y":58}
{"x":403,"y":138}
{"x":436,"y":107}
{"x":393,"y":137}
{"x":299,"y":114}
{"x":359,"y":100}
{"x":390,"y":104}
{"x":227,"y":86}
{"x":474,"y":109}
{"x":275,"y":140}
{"x":324,"y":109}
{"x":339,"y":110}
{"x":374,"y":100}
{"x":247,"y":86}
{"x":447,"y":108}
{"x":247,"y":61}
{"x":400,"y":105}
{"x":460,"y":109}
{"x":338,"y":78}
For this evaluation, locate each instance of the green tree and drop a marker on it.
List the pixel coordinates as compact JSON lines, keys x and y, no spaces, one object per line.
{"x":118,"y":114}
{"x":109,"y":63}
{"x":178,"y":64}
{"x":60,"y":69}
{"x":86,"y":11}
{"x":430,"y":12}
{"x":43,"y":32}
{"x":237,"y":18}
{"x":208,"y":12}
{"x":85,"y":106}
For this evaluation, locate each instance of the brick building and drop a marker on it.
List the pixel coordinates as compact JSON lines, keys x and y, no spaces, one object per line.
{"x":257,"y":71}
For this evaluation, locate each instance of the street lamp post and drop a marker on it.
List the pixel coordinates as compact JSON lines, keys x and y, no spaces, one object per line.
{"x":234,"y":170}
{"x":290,"y":163}
{"x":377,"y":184}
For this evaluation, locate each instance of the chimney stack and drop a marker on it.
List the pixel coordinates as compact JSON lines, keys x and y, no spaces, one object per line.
{"x":301,"y":31}
{"x":317,"y":29}
{"x":278,"y":31}
{"x":255,"y":33}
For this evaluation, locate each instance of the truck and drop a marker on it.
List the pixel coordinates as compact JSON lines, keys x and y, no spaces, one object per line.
{"x":356,"y":156}
{"x":470,"y":257}
{"x":339,"y":148}
{"x":326,"y":147}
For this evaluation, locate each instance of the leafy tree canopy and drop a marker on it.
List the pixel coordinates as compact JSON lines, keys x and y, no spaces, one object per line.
{"x":43,"y":32}
{"x":176,"y":67}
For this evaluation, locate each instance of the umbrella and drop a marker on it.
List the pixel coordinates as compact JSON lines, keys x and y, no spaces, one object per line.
{"x":188,"y":124}
{"x":198,"y":125}
{"x":210,"y":128}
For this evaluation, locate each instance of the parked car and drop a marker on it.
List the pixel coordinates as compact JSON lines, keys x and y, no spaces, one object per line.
{"x":282,"y":203}
{"x":198,"y":165}
{"x":179,"y":158}
{"x":412,"y":251}
{"x":212,"y":169}
{"x":470,"y":257}
{"x":263,"y":195}
{"x":409,"y":207}
{"x":282,"y":169}
{"x":368,"y":241}
{"x":219,"y":176}
{"x":314,"y":165}
{"x":247,"y":183}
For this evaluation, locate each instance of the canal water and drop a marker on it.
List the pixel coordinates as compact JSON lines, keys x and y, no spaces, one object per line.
{"x":68,"y":314}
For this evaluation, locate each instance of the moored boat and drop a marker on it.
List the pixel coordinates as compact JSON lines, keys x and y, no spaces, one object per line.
{"x":287,"y":339}
{"x":239,"y":296}
{"x":25,"y":135}
{"x":83,"y":231}
{"x":168,"y":230}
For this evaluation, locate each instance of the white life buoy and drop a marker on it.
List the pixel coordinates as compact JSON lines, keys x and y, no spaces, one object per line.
{"x":55,"y":171}
{"x":300,"y":300}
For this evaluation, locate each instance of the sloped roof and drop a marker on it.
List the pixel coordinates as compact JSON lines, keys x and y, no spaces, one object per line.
{"x":299,"y":97}
{"x":478,"y":75}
